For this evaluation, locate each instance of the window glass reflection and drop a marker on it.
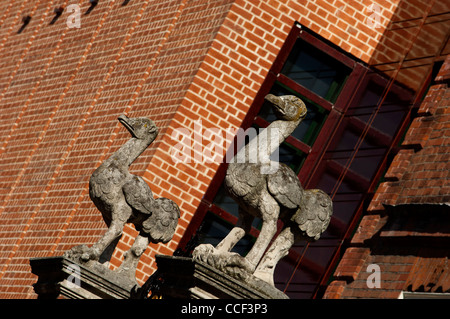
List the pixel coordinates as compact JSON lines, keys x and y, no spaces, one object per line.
{"x":315,"y":70}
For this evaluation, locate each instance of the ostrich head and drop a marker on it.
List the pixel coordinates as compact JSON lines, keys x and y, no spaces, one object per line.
{"x":140,"y":127}
{"x":287,"y":107}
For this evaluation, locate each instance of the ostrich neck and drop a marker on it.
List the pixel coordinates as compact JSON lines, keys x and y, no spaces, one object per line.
{"x":129,"y":152}
{"x":259,"y":149}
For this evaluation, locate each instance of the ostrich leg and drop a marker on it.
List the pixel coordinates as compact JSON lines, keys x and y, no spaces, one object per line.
{"x":132,"y":256}
{"x":279,"y":248}
{"x":269,"y":213}
{"x":114,"y":231}
{"x":268,"y":230}
{"x":119,"y":216}
{"x":242,"y":227}
{"x":205,"y":251}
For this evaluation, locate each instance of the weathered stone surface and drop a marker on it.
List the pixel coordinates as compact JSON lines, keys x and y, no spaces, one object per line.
{"x":269,"y":190}
{"x":125,"y":198}
{"x":186,"y":278}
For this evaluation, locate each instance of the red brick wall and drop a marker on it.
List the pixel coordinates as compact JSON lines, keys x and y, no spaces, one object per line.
{"x":420,"y":174}
{"x":62,"y":92}
{"x":175,"y":61}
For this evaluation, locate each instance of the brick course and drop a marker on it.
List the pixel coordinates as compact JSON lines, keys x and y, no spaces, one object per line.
{"x":176,"y":61}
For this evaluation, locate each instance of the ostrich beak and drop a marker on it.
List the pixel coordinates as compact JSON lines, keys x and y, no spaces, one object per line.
{"x":276,"y":102}
{"x":272,"y":99}
{"x":125,"y":121}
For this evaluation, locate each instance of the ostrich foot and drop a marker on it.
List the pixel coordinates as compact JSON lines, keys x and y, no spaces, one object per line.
{"x":82,"y":253}
{"x":265,"y":275}
{"x":237,"y":266}
{"x":128,"y":267}
{"x":230,"y":263}
{"x":129,"y":274}
{"x":210,"y":255}
{"x":202,"y":252}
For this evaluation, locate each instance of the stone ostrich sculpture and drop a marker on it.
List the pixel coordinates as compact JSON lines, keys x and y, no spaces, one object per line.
{"x":122,"y":198}
{"x":269,"y":195}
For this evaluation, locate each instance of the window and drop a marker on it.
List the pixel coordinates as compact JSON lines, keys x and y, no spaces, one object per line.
{"x":315,"y":71}
{"x":341,"y":147}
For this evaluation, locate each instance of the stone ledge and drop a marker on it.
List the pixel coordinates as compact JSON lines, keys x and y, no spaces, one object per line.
{"x":60,"y":276}
{"x":184,"y":278}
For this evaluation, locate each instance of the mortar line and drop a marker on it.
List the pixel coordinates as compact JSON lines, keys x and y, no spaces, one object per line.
{"x":41,"y":136}
{"x":34,"y":90}
{"x":88,"y":113}
{"x":28,"y":46}
{"x":5,"y":14}
{"x":5,"y":38}
{"x":127,"y":109}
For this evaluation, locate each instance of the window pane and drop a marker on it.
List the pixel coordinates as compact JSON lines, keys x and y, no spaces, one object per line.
{"x":288,"y":155}
{"x":224,"y":201}
{"x":214,"y":229}
{"x":310,"y":127}
{"x":344,"y":206}
{"x":315,"y":70}
{"x":346,"y":199}
{"x":291,"y":156}
{"x":391,"y":113}
{"x":365,"y":162}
